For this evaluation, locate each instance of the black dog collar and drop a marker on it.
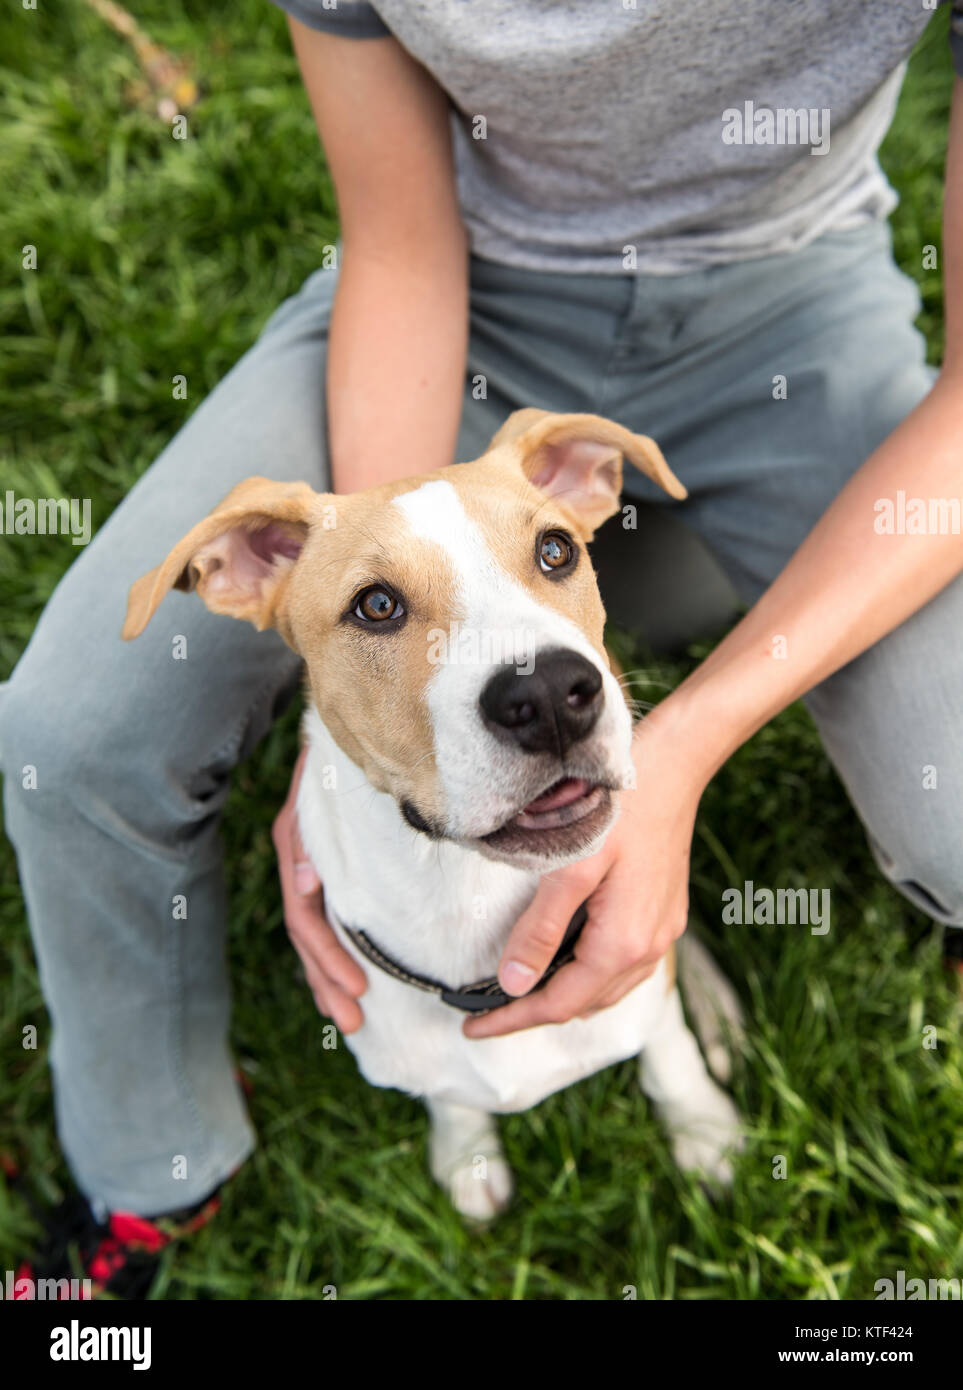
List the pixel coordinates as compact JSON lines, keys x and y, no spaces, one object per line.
{"x":479,"y":998}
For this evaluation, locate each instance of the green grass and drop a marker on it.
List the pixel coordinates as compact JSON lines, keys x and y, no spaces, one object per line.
{"x":158,"y":257}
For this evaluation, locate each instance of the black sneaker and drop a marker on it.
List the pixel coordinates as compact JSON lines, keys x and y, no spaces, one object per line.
{"x":119,"y":1255}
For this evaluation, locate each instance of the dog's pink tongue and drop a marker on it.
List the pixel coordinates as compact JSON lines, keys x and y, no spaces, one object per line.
{"x":562,"y":794}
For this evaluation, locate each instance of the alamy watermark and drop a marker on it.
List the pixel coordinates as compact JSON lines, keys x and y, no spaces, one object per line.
{"x":22,"y":1288}
{"x":45,"y":516}
{"x":785,"y":125}
{"x":750,"y":905}
{"x":918,"y":516}
{"x":75,"y":1343}
{"x":487,"y":646}
{"x":912,"y":1290}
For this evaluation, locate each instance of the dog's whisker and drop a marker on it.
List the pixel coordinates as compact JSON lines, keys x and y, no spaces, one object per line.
{"x":640,"y":678}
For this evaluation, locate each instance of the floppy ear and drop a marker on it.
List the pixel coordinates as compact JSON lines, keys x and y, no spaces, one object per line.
{"x":238,"y":558}
{"x":578,"y":459}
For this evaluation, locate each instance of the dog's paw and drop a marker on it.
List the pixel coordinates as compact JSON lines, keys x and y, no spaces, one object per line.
{"x":474,"y":1173}
{"x":481,"y":1188}
{"x":705,"y":1135}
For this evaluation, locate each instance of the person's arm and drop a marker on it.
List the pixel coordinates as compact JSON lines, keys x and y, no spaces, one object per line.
{"x":847,"y":587}
{"x":396,"y":350}
{"x":399,"y":327}
{"x":842,"y":591}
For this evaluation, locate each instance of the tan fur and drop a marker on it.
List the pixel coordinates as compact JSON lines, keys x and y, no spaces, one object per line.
{"x":532,"y":435}
{"x":369,"y":689}
{"x":196,"y":561}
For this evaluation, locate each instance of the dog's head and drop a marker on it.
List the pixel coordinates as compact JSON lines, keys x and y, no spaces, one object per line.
{"x":451,"y":627}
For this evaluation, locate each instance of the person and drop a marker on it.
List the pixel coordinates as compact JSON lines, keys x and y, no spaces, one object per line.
{"x":669,"y":215}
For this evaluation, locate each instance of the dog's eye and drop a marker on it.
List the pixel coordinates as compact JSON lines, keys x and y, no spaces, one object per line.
{"x":375,"y":605}
{"x":555,"y":552}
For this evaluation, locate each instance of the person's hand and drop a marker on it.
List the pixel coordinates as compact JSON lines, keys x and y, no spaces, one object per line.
{"x":637,"y":890}
{"x":335,"y":979}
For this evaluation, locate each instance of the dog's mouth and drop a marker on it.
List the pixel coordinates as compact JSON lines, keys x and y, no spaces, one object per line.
{"x":561,"y":820}
{"x":566,"y":801}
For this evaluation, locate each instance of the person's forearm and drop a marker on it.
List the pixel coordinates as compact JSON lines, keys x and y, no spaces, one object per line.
{"x":396,"y":361}
{"x":845,"y":588}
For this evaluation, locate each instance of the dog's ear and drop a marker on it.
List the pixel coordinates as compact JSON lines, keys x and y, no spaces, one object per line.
{"x":238,"y":558}
{"x":578,"y":459}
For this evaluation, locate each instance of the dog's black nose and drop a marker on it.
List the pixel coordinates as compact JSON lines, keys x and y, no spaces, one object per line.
{"x":549,"y":709}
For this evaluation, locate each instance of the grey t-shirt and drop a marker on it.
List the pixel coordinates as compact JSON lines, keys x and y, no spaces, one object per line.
{"x":660,"y":135}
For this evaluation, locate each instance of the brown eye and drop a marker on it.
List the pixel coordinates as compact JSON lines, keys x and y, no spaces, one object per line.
{"x":376,"y":605}
{"x":555,"y":551}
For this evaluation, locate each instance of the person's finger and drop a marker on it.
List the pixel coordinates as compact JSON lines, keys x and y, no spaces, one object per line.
{"x":569,"y":993}
{"x":305,"y":878}
{"x":621,"y":988}
{"x":331,"y":1000}
{"x":313,"y":934}
{"x":336,"y":961}
{"x":343,"y":1010}
{"x":639,"y":970}
{"x":537,"y":934}
{"x":303,"y":910}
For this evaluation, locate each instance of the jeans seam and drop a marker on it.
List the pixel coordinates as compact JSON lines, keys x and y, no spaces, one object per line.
{"x":175,"y":1042}
{"x":231,"y":744}
{"x":618,"y":341}
{"x":176,"y":1022}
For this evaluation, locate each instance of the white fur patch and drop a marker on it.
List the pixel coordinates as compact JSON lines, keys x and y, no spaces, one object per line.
{"x":498,"y":622}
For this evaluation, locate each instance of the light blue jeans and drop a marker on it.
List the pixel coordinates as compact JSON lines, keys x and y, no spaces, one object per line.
{"x":134,"y":750}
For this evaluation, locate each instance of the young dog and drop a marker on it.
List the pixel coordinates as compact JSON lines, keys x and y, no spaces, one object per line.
{"x":466,"y":735}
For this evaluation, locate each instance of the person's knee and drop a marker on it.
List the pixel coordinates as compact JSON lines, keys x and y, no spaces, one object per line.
{"x":38,"y":745}
{"x":927,"y":868}
{"x":71,"y":718}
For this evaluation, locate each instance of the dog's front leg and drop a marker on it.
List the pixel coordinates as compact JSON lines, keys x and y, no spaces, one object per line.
{"x":702,"y":1121}
{"x":466,"y":1159}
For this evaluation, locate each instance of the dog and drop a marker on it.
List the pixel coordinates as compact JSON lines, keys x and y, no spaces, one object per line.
{"x":466,"y":735}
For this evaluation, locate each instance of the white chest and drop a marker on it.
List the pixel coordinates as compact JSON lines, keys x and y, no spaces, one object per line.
{"x":443,"y":912}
